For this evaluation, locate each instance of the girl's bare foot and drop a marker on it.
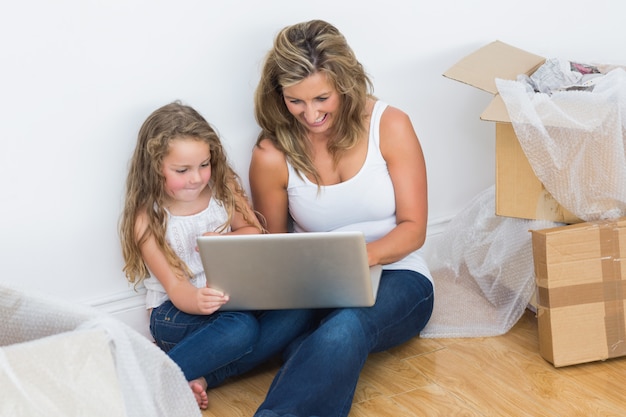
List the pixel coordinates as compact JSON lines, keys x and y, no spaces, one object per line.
{"x":198,"y":387}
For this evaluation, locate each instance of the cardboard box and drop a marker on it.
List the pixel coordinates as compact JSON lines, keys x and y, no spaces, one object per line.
{"x":580,"y":272}
{"x":519,"y":193}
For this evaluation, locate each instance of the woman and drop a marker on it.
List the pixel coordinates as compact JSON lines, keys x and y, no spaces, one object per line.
{"x":332,"y":157}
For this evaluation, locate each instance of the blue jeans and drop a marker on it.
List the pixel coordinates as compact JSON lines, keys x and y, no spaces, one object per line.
{"x":224,"y":344}
{"x":322,"y":368}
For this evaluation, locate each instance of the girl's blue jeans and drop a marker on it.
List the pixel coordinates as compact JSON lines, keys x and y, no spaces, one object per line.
{"x":323,"y":366}
{"x":224,"y":344}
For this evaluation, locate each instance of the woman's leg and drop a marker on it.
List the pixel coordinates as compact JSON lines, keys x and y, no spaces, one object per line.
{"x":201,"y":344}
{"x":321,"y":373}
{"x":277,"y":329}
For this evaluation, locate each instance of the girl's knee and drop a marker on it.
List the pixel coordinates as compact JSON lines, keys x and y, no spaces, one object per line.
{"x":243,"y":328}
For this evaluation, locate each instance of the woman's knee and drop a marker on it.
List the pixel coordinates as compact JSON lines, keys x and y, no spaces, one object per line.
{"x":344,"y":330}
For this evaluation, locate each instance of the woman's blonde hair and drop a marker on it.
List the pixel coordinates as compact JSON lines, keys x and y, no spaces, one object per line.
{"x":299,"y":51}
{"x":145,"y":184}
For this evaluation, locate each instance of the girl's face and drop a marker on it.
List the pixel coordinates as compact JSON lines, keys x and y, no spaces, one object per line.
{"x":313,"y":102}
{"x":187,"y":169}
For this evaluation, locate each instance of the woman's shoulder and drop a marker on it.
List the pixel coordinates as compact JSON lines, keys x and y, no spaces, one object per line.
{"x":394,"y":118}
{"x":266,"y":152}
{"x":392,"y":114}
{"x":395,"y":129}
{"x":389,"y":115}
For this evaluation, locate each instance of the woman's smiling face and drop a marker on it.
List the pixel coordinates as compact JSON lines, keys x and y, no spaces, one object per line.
{"x":313,"y":101}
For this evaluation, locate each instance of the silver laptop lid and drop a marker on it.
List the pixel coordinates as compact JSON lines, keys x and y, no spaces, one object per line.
{"x":290,"y":270}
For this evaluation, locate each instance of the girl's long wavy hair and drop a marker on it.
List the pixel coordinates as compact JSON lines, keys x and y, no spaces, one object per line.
{"x":145,"y":184}
{"x":299,"y":51}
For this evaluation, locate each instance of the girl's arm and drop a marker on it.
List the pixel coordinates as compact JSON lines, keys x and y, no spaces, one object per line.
{"x":244,"y":225}
{"x":403,"y":153}
{"x":185,"y":296}
{"x":268,"y":183}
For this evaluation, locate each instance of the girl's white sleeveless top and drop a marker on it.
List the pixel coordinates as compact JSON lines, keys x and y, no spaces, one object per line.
{"x":181,"y":235}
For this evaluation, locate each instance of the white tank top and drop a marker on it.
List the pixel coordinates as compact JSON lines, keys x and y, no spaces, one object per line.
{"x":181,"y":235}
{"x":365,"y":202}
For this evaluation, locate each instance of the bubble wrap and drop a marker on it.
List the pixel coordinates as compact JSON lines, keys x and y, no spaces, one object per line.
{"x":58,"y":359}
{"x":574,"y":141}
{"x":483,"y":269}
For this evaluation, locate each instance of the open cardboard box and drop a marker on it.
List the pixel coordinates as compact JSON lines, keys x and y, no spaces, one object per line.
{"x":580,"y":271}
{"x":519,"y":193}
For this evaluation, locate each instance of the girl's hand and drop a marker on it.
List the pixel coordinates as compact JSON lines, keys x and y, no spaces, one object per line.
{"x":209,"y":300}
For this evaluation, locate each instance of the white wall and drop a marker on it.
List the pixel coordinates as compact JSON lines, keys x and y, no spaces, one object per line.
{"x":78,"y":77}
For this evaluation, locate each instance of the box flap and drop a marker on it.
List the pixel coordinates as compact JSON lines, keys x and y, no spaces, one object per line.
{"x":495,"y":60}
{"x":496,"y":111}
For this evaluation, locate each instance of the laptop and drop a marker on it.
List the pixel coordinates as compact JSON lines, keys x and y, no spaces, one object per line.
{"x":290,"y":270}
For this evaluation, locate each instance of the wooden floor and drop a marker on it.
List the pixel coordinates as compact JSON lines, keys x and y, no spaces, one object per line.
{"x":493,"y":376}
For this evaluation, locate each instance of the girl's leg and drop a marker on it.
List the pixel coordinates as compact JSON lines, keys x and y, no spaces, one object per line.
{"x":321,"y":373}
{"x":201,"y":344}
{"x":277,"y":329}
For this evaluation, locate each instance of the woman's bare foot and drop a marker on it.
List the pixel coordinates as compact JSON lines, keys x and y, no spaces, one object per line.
{"x":198,"y":387}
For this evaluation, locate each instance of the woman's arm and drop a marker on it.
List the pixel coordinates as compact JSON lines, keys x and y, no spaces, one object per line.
{"x":405,"y":161}
{"x":268,"y":183}
{"x":185,"y":296}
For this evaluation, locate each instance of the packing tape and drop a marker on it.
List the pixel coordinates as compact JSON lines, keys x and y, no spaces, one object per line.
{"x":614,"y":320}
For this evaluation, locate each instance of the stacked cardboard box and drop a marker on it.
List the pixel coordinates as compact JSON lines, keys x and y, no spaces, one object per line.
{"x":581,"y":291}
{"x":519,"y":193}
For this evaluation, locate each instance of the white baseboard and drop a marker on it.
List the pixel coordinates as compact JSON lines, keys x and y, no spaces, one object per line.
{"x":437,"y":226}
{"x":129,"y":306}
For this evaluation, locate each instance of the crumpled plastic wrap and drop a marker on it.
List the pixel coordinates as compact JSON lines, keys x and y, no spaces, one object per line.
{"x":65,"y":360}
{"x":483,"y":269}
{"x":575,"y":142}
{"x":69,"y":374}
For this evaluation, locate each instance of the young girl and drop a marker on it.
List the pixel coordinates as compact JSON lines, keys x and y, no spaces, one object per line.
{"x":179,"y":186}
